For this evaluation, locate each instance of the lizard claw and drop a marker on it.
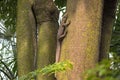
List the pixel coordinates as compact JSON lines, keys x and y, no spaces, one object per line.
{"x":67,"y":23}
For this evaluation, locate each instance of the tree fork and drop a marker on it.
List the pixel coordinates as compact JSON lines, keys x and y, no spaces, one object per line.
{"x":46,"y":15}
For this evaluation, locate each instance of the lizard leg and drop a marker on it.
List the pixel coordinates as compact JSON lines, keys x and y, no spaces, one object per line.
{"x":65,"y":25}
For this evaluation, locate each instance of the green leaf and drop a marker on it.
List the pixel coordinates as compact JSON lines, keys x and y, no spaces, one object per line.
{"x":48,"y":70}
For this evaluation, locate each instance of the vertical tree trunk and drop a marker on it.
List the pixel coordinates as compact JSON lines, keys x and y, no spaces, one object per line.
{"x":47,"y":22}
{"x":81,"y":44}
{"x":108,"y":20}
{"x":25,"y":37}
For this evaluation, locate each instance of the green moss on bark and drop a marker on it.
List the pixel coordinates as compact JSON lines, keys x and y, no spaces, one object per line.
{"x":25,"y":37}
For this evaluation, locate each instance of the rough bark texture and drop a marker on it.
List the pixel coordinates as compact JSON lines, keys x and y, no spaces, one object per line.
{"x":25,"y":37}
{"x":108,"y":20}
{"x":81,"y":44}
{"x":47,"y":23}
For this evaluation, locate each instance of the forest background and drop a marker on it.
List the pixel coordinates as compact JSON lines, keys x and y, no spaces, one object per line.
{"x":8,"y":53}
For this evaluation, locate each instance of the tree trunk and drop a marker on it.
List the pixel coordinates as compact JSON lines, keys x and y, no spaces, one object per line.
{"x":108,"y":21}
{"x":25,"y":37}
{"x":81,"y":44}
{"x":47,"y":23}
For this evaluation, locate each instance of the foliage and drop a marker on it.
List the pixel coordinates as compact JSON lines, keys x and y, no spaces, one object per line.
{"x":8,"y":13}
{"x":106,"y":70}
{"x":48,"y":70}
{"x":7,"y":18}
{"x":115,"y":42}
{"x":60,"y":3}
{"x":8,"y":68}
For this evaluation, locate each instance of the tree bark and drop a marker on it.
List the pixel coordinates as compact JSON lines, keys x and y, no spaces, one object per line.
{"x":81,"y":44}
{"x":47,"y":24}
{"x":25,"y":37}
{"x":107,"y":26}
